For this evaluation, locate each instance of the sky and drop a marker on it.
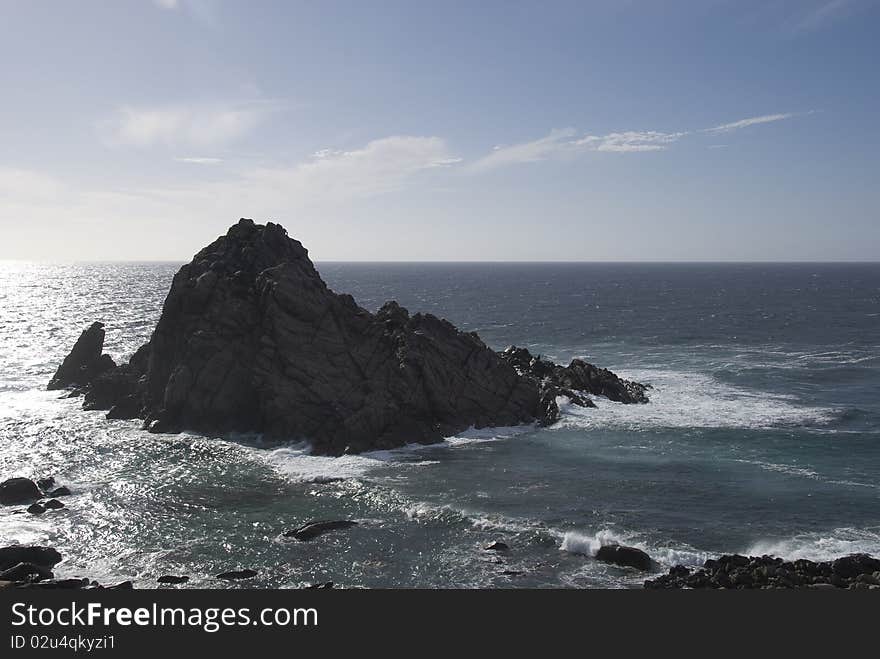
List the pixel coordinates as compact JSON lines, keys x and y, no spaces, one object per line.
{"x":537,"y":131}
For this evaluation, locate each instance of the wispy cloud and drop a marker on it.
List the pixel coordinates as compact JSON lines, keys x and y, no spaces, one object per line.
{"x":332,"y":175}
{"x":554,"y":144}
{"x":745,"y":123}
{"x":630,"y":141}
{"x":167,"y":4}
{"x":195,"y":160}
{"x":185,"y":125}
{"x":565,"y":143}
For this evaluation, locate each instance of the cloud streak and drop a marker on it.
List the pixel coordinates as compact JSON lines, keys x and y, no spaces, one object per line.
{"x":745,"y":123}
{"x":561,"y":144}
{"x":195,"y":160}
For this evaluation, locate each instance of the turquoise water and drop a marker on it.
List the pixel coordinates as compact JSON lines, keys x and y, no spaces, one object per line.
{"x":763,"y":434}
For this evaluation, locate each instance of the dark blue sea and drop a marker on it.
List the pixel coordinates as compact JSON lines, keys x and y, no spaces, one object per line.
{"x":762,"y":434}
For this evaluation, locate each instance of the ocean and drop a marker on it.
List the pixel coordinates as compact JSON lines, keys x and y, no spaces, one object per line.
{"x":762,"y":434}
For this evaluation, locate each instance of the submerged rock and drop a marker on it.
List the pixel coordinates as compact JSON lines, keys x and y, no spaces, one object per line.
{"x":36,"y":509}
{"x":18,"y":490}
{"x":251,"y":339}
{"x":625,"y":556}
{"x":497,"y":546}
{"x":172,"y":579}
{"x":62,"y":491}
{"x":312,"y":530}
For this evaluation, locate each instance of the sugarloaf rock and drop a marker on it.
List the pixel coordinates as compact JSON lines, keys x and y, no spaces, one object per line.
{"x":251,"y":339}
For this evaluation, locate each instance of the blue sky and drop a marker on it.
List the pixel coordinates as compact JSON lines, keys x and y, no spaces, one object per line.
{"x":710,"y":130}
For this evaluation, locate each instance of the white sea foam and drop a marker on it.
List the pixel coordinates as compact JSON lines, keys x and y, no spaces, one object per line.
{"x":298,"y":464}
{"x":791,"y":470}
{"x":821,"y":546}
{"x":588,"y":545}
{"x":694,"y":400}
{"x":583,"y":544}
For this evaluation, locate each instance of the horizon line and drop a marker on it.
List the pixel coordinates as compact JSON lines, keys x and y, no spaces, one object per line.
{"x":486,"y":261}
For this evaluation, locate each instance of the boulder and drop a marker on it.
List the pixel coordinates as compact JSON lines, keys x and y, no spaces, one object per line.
{"x":26,"y":572}
{"x":624,"y":556}
{"x":62,"y":584}
{"x":45,"y":483}
{"x":172,"y":579}
{"x":36,"y":509}
{"x":854,"y":565}
{"x":312,"y":530}
{"x":18,"y":490}
{"x":15,"y":554}
{"x":53,"y":504}
{"x":60,"y":492}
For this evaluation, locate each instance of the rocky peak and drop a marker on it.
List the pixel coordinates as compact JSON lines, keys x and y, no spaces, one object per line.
{"x":251,"y":339}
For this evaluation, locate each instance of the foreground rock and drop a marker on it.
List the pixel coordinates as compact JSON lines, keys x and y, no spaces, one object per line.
{"x":251,"y":339}
{"x":26,"y":572}
{"x":625,"y":556}
{"x":35,"y":555}
{"x":30,"y":566}
{"x":312,"y":530}
{"x":735,"y":571}
{"x":18,"y":490}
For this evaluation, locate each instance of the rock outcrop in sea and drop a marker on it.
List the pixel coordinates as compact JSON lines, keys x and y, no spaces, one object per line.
{"x":251,"y":339}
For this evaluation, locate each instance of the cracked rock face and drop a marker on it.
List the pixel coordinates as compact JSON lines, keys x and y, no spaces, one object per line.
{"x":251,"y":339}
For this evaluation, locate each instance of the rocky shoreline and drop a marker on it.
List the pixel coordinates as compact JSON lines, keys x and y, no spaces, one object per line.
{"x":251,"y":339}
{"x":30,"y":566}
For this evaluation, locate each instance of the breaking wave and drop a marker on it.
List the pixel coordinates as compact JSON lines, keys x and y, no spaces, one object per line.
{"x":694,"y":400}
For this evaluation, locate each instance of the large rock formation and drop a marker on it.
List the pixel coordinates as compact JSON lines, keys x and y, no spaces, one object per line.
{"x":251,"y":339}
